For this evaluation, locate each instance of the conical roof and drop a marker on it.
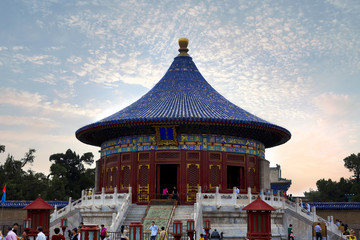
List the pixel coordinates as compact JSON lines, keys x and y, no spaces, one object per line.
{"x":258,"y":205}
{"x":38,"y":204}
{"x":185,"y":98}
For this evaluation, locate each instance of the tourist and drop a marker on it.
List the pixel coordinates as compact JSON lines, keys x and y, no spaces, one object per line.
{"x":15,"y":227}
{"x":1,"y":235}
{"x":317,"y":229}
{"x":57,"y":235}
{"x":215,"y":235}
{"x":41,"y":235}
{"x":352,"y":235}
{"x":163,"y":234}
{"x":289,"y":231}
{"x":154,"y":230}
{"x":308,"y":208}
{"x":237,"y":190}
{"x":10,"y":235}
{"x":165,"y":193}
{"x":103,"y":232}
{"x":126,"y":231}
{"x":74,"y":235}
{"x":174,"y":193}
{"x":79,"y":232}
{"x":24,"y":236}
{"x":201,"y":237}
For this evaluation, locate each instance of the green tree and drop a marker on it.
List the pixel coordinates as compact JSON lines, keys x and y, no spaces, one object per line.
{"x":352,"y":163}
{"x":68,"y":174}
{"x":2,"y":148}
{"x":29,"y":157}
{"x":330,"y":191}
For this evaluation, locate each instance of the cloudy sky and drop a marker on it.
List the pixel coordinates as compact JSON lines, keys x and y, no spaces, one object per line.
{"x":66,"y":64}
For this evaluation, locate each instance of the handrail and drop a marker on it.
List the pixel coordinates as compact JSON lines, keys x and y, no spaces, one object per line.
{"x":170,"y":218}
{"x":121,"y":213}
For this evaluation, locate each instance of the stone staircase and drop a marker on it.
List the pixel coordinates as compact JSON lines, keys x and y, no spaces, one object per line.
{"x":182,"y":213}
{"x":134,"y":214}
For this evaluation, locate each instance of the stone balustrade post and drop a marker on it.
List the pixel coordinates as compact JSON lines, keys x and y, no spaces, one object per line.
{"x":130,"y":192}
{"x":271,"y":199}
{"x":217,"y":196}
{"x":297,"y":205}
{"x":332,"y":223}
{"x":115,"y":199}
{"x":70,"y":204}
{"x":262,"y":195}
{"x":249,"y":194}
{"x":313,"y":211}
{"x":102,"y":195}
{"x":234,"y":196}
{"x":55,"y":213}
{"x":92,"y":197}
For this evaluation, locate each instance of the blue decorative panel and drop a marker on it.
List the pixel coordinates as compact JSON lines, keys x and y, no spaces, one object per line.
{"x":186,"y":142}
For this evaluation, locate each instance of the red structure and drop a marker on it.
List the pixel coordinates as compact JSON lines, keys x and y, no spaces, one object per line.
{"x":190,"y":228}
{"x":136,"y":231}
{"x":181,"y":135}
{"x":63,"y":225}
{"x":259,"y":219}
{"x":39,"y":213}
{"x":90,"y":232}
{"x":207,"y":227}
{"x":177,"y":230}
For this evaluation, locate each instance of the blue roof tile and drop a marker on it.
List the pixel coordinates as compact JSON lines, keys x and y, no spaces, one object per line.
{"x":182,"y":95}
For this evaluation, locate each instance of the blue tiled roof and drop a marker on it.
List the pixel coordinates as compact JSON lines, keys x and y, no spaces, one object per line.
{"x":183,"y":96}
{"x":336,"y":205}
{"x":21,"y":204}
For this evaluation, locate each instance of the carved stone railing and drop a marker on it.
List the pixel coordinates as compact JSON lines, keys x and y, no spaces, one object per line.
{"x":240,"y":200}
{"x":94,"y":202}
{"x":122,"y":209}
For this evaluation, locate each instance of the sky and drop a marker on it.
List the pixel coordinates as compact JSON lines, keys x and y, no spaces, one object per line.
{"x":66,"y":64}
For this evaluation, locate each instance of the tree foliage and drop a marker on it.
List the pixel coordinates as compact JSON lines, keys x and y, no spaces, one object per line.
{"x":332,"y":191}
{"x":352,"y":163}
{"x":68,"y":176}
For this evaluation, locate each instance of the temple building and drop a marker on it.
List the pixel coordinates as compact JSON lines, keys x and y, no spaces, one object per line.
{"x":182,"y":134}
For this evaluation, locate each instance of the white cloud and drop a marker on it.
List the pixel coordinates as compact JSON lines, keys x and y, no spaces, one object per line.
{"x":33,"y":102}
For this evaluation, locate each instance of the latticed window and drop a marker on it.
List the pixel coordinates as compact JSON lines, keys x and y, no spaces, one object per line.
{"x":126,"y":157}
{"x":236,"y":157}
{"x":215,"y":156}
{"x":168,"y":155}
{"x":143,"y":175}
{"x":215,"y":176}
{"x":111,"y":159}
{"x":252,"y":177}
{"x":192,"y":156}
{"x":126,"y":176}
{"x":193,"y":175}
{"x":144,"y":156}
{"x":252,"y":160}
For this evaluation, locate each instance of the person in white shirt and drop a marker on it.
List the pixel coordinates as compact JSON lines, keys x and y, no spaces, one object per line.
{"x":41,"y":235}
{"x":154,"y":231}
{"x":317,"y":229}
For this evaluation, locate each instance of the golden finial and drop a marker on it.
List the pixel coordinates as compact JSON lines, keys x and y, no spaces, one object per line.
{"x":183,"y":43}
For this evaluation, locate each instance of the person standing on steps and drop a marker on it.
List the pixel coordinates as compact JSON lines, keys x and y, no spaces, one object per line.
{"x":163,"y":234}
{"x":154,"y":230}
{"x":103,"y":232}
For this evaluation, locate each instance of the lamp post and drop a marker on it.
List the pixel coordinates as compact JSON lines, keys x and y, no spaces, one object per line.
{"x":177,"y":230}
{"x":190,"y":228}
{"x":136,"y":231}
{"x":207,"y":227}
{"x":63,"y":224}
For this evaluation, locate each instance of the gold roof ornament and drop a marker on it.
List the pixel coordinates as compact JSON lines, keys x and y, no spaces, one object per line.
{"x":183,"y":43}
